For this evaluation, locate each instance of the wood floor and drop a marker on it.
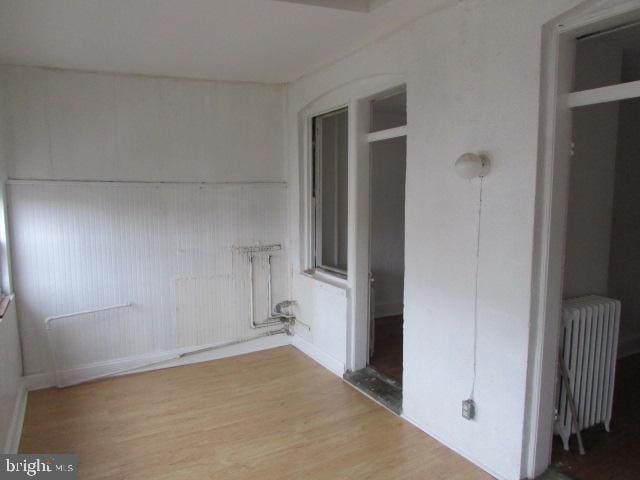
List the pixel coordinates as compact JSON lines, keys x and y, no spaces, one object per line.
{"x":268,"y":415}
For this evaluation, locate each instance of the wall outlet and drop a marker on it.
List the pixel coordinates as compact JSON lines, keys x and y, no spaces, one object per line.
{"x":468,"y":409}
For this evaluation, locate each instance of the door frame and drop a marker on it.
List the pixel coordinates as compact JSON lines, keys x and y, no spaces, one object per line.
{"x":355,"y":95}
{"x":360,"y":236}
{"x":552,"y":189}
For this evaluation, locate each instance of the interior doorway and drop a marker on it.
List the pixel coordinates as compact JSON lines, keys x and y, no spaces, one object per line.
{"x":388,"y":176}
{"x":586,"y":280}
{"x":602,"y":263}
{"x":385,"y":170}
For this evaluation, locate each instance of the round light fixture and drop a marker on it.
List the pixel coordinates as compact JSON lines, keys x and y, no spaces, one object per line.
{"x":472,"y":165}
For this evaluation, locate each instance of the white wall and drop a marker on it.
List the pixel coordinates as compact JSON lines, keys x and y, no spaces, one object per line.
{"x":168,"y":249}
{"x":323,"y":313}
{"x":595,"y":135}
{"x":11,"y":386}
{"x":65,"y":125}
{"x":473,"y":83}
{"x":388,"y":166}
{"x":85,"y":235}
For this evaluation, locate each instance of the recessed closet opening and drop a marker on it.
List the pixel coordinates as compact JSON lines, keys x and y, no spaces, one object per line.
{"x":598,"y":425}
{"x":382,"y":377}
{"x":388,"y":174}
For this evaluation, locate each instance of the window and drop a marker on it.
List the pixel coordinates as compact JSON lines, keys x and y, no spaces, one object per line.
{"x":330,"y":189}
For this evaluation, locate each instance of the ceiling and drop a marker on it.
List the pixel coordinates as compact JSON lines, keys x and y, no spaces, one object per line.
{"x":355,"y":5}
{"x":241,"y":40}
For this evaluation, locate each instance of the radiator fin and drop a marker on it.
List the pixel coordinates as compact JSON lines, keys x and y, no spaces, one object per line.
{"x":589,"y":345}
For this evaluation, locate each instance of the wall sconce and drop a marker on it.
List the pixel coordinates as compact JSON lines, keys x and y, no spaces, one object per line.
{"x":472,"y":165}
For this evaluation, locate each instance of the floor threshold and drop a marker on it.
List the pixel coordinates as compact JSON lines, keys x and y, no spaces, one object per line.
{"x":553,"y":474}
{"x":379,"y":387}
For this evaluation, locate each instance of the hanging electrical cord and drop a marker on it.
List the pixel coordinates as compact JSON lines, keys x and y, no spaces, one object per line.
{"x":475,"y":297}
{"x":470,"y":166}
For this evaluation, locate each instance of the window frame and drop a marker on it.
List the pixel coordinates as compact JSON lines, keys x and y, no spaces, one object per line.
{"x":316,"y":237}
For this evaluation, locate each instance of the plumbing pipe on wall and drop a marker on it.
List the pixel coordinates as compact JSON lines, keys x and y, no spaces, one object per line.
{"x":276,"y":315}
{"x":288,"y":320}
{"x":48,"y":323}
{"x":279,"y":315}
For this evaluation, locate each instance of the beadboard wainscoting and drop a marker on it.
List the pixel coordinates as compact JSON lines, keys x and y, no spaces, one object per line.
{"x":171,"y":250}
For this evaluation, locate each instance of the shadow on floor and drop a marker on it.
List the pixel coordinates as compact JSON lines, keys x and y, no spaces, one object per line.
{"x":614,"y":455}
{"x":387,"y":354}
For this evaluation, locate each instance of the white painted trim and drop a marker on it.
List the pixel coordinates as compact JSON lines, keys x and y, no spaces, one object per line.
{"x":169,"y":359}
{"x":629,"y":346}
{"x":328,"y":278}
{"x":14,"y":432}
{"x":153,"y":361}
{"x":359,"y":234}
{"x":612,"y":93}
{"x":387,"y":134}
{"x":113,"y":368}
{"x":548,"y":243}
{"x":251,"y":346}
{"x":310,"y":350}
{"x":39,"y":381}
{"x":459,"y":451}
{"x":550,"y":221}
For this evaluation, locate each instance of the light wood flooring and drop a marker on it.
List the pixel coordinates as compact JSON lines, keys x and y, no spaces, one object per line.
{"x":273,"y":414}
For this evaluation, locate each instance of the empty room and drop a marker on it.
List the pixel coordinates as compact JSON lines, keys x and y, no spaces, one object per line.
{"x":323,"y":239}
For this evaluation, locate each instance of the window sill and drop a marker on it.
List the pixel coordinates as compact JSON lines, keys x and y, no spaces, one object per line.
{"x":330,"y":278}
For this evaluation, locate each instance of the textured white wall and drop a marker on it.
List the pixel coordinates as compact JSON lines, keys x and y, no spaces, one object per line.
{"x":168,"y":249}
{"x":10,"y":352}
{"x":10,"y":371}
{"x":473,"y":83}
{"x":82,"y":241}
{"x":65,"y":125}
{"x":323,"y":309}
